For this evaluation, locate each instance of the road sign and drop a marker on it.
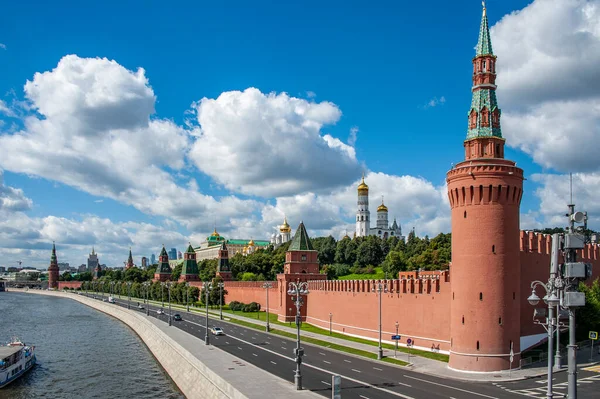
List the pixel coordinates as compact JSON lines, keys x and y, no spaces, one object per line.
{"x":512,"y":355}
{"x":409,"y":341}
{"x":396,"y":337}
{"x":593,"y":335}
{"x":336,"y":387}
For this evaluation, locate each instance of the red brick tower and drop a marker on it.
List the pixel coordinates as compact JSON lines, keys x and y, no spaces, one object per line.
{"x":223,"y":268}
{"x":129,"y":264}
{"x":301,"y":264}
{"x":485,"y":193}
{"x":53,"y":270}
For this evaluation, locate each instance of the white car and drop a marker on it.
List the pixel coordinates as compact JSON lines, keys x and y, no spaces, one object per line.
{"x":140,"y":306}
{"x":217,"y":331}
{"x":160,"y":311}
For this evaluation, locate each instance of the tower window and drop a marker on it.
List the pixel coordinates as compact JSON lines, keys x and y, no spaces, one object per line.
{"x":493,"y":248}
{"x":500,"y":320}
{"x":465,"y":214}
{"x":477,"y":345}
{"x":453,"y":295}
{"x":481,"y":296}
{"x":483,"y":65}
{"x":303,"y":257}
{"x":463,"y":319}
{"x":514,"y":296}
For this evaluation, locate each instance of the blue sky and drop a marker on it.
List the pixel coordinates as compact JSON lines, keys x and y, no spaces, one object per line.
{"x":396,"y":74}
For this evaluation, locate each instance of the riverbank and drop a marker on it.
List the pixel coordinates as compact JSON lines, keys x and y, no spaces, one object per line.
{"x":217,"y":375}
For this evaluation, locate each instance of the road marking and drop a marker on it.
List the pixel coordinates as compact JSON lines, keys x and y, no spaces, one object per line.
{"x":410,"y":386}
{"x":347,"y":361}
{"x":378,"y":369}
{"x":273,"y":362}
{"x":358,"y":371}
{"x":388,"y":391}
{"x":326,"y":383}
{"x":325,"y":361}
{"x":451,"y":387}
{"x":321,"y":353}
{"x":364,"y":397}
{"x":253,"y":337}
{"x":255,"y":354}
{"x":283,"y":347}
{"x":227,"y":342}
{"x":240,"y":348}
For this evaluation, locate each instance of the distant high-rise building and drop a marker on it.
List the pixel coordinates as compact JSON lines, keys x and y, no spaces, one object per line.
{"x":144,"y":262}
{"x":173,"y":253}
{"x":2,"y":269}
{"x":92,"y":262}
{"x":179,"y":255}
{"x":63,"y":266}
{"x":153,"y":259}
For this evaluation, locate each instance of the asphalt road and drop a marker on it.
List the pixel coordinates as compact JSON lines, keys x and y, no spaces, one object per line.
{"x":361,"y":378}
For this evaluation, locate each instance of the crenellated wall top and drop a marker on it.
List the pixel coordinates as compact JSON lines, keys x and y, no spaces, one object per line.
{"x":533,"y":242}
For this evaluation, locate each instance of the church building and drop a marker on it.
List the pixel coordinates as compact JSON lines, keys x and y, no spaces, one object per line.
{"x":382,"y":228}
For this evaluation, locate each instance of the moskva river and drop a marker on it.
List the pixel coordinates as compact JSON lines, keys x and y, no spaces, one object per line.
{"x":81,"y":353}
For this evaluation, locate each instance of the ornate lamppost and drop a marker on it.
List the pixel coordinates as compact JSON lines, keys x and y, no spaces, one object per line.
{"x":330,"y":320}
{"x":380,"y":289}
{"x":147,"y":288}
{"x":129,"y":283}
{"x":297,"y":291}
{"x":207,"y":287}
{"x":268,"y":285}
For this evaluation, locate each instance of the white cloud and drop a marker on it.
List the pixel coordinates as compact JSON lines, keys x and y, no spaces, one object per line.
{"x":311,"y":94}
{"x":549,"y":82}
{"x":434,"y":102}
{"x":352,"y":137}
{"x":98,"y":201}
{"x":12,"y":199}
{"x":3,"y":46}
{"x":271,"y":144}
{"x":6,"y":110}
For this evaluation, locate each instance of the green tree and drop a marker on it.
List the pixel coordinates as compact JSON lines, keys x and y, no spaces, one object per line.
{"x":176,"y":273}
{"x":394,"y":262}
{"x":369,"y":252}
{"x":588,"y":317}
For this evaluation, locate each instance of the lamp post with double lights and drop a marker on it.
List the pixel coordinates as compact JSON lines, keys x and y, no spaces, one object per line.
{"x":266,"y":286}
{"x":396,"y":348}
{"x":297,"y":291}
{"x":551,"y":300}
{"x":207,"y":287}
{"x":187,"y":296}
{"x":147,"y":289}
{"x":330,"y":319}
{"x":112,"y":289}
{"x":169,"y":284}
{"x":380,"y":288}
{"x":129,"y":283}
{"x":221,"y":285}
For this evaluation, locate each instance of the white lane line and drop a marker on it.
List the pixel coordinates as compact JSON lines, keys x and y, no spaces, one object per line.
{"x":347,"y":361}
{"x":358,"y":371}
{"x":283,"y":347}
{"x":321,"y":353}
{"x":273,"y":362}
{"x":227,"y":342}
{"x":451,"y":387}
{"x":326,"y":383}
{"x":253,"y":337}
{"x":240,"y":348}
{"x":388,"y":391}
{"x":364,"y":397}
{"x":410,"y":386}
{"x":254,"y":354}
{"x":325,"y":361}
{"x":378,"y":369}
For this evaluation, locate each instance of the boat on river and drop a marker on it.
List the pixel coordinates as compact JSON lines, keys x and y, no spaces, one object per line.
{"x":16,"y":359}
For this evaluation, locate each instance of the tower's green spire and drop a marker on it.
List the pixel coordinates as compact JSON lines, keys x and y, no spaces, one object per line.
{"x":163,"y":262}
{"x":53,"y":257}
{"x":484,"y":44}
{"x":301,"y":242}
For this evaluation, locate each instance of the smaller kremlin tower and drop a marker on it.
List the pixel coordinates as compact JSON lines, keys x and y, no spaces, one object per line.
{"x":189,"y":271}
{"x":223,"y":268}
{"x":129,"y":264}
{"x":163,"y":271}
{"x":53,"y":270}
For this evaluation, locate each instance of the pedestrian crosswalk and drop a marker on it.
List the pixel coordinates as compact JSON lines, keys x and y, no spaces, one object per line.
{"x":539,"y":391}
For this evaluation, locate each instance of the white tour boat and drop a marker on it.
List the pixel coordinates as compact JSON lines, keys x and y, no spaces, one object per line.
{"x":16,"y":359}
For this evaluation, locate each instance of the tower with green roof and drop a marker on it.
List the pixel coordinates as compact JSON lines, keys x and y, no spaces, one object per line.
{"x":223,"y":268}
{"x":129,"y":264}
{"x":301,"y":264}
{"x":53,"y":270}
{"x":189,"y":271}
{"x":163,"y":271}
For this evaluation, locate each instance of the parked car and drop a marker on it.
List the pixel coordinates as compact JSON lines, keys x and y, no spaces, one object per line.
{"x":177,"y":317}
{"x":217,"y":331}
{"x":160,"y":311}
{"x":140,"y":306}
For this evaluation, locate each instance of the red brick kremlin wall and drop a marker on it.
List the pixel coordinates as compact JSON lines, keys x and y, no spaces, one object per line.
{"x":69,"y":284}
{"x":420,"y":302}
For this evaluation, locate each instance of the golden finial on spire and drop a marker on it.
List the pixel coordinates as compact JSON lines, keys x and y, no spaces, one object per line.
{"x":483,"y":4}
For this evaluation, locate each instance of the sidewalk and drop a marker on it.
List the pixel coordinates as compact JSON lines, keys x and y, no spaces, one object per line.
{"x":417,"y":363}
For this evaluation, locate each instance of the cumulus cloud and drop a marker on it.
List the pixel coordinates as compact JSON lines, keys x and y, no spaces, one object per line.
{"x":311,"y":94}
{"x":12,"y":199}
{"x":6,"y":110}
{"x":271,"y":144}
{"x":549,"y":83}
{"x":3,"y":46}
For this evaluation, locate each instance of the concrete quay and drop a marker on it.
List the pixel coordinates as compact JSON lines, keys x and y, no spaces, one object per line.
{"x":199,"y":371}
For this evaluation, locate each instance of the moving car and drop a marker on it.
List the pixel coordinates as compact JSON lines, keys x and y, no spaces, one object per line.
{"x":217,"y":331}
{"x":177,"y":317}
{"x":111,"y":300}
{"x":140,"y":306}
{"x":160,"y":311}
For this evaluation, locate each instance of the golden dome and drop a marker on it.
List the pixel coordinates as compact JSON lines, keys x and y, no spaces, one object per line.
{"x":382,"y":208}
{"x":251,"y":243}
{"x":285,"y":227}
{"x":362,"y":187}
{"x":215,"y":234}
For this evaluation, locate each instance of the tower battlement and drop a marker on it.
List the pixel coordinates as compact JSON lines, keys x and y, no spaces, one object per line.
{"x":533,"y":242}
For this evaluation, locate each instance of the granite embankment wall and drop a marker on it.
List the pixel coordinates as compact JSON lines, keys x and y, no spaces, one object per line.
{"x":192,"y":377}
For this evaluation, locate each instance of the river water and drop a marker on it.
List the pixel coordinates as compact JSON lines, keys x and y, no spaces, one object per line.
{"x":81,"y":353}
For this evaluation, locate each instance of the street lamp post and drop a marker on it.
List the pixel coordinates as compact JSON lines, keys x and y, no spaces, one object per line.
{"x":330,"y":319}
{"x":380,"y":289}
{"x":147,"y":286}
{"x":207,"y":286}
{"x":396,"y":348}
{"x":162,"y":294}
{"x":169,"y":289}
{"x":551,"y":300}
{"x":187,"y":296}
{"x":267,"y":286}
{"x":129,"y":294}
{"x":221,"y":285}
{"x":296,"y":291}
